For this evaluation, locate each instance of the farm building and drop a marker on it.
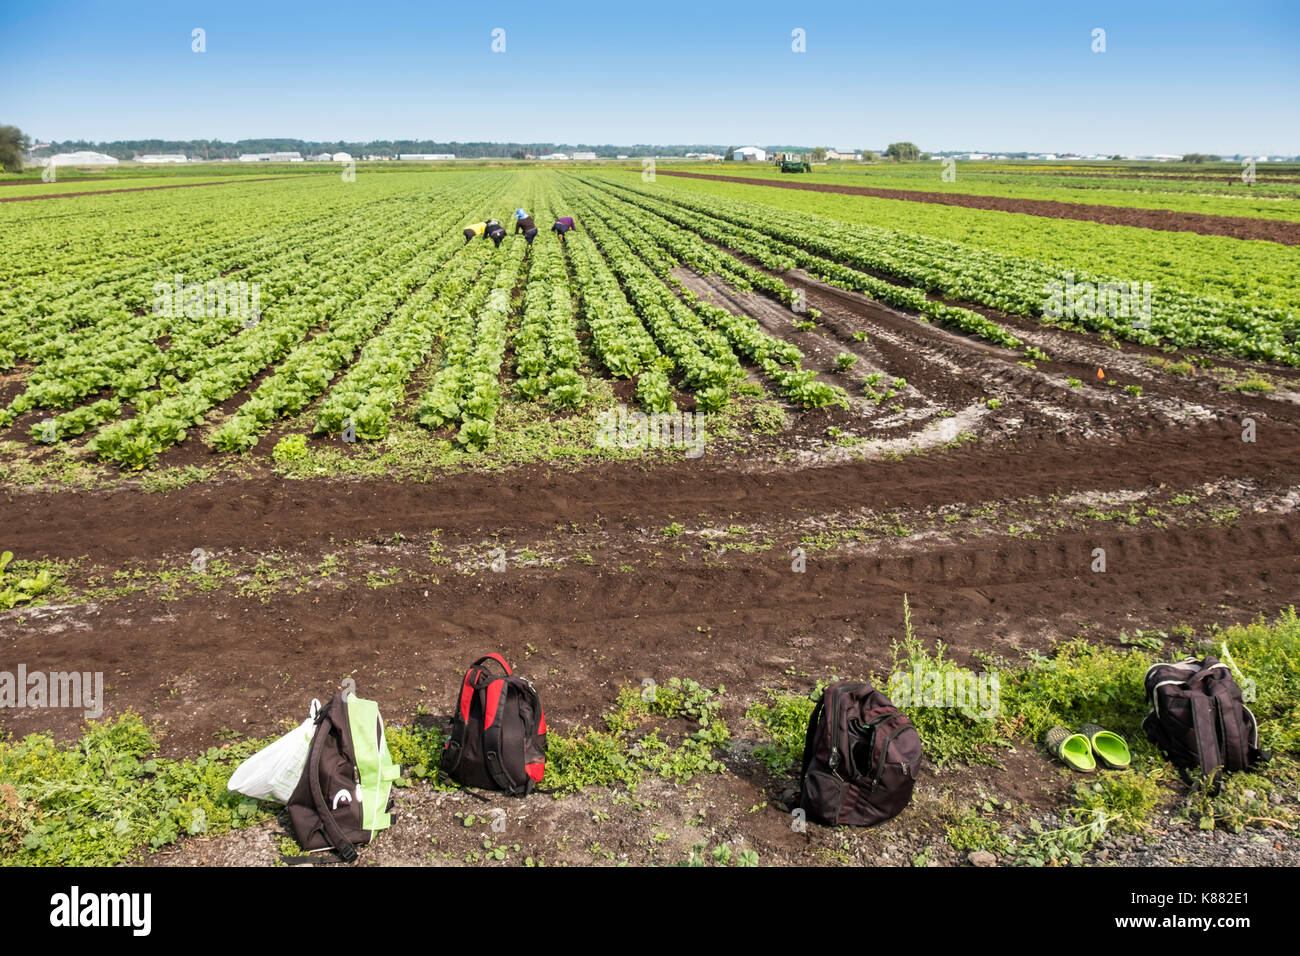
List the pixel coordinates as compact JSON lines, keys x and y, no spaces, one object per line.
{"x":749,"y":154}
{"x":584,"y":155}
{"x":426,"y":157}
{"x":162,"y":158}
{"x":843,"y":154}
{"x":554,"y":156}
{"x":342,"y":157}
{"x":285,"y":157}
{"x":82,"y":157}
{"x":321,"y":158}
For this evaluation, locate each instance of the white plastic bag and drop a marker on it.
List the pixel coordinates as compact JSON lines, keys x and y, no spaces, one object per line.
{"x":273,"y":772}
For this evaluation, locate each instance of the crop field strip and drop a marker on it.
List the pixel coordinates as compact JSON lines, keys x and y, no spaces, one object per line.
{"x":1216,"y":267}
{"x":1268,"y":198}
{"x":307,"y":371}
{"x":135,"y":230}
{"x":1237,"y":227}
{"x":997,"y":281}
{"x":714,"y":372}
{"x":346,"y":296}
{"x":35,"y":310}
{"x":76,"y":193}
{"x":279,"y":264}
{"x":404,"y":304}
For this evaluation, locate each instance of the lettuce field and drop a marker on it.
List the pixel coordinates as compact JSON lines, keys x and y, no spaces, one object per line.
{"x":373,"y":312}
{"x":259,"y":433}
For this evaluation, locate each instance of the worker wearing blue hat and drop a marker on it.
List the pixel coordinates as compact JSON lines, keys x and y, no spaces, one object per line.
{"x":524,"y":224}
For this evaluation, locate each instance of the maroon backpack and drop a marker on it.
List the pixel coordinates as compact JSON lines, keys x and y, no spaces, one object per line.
{"x":498,"y":732}
{"x":860,"y":758}
{"x":1199,"y":719}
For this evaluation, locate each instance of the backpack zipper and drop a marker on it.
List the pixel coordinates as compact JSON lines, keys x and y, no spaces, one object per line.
{"x":835,"y":758}
{"x":884,"y":754}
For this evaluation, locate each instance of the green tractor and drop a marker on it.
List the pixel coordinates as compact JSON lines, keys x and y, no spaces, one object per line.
{"x":794,"y":166}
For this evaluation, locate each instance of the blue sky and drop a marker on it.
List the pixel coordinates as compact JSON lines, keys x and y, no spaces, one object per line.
{"x":1175,"y":77}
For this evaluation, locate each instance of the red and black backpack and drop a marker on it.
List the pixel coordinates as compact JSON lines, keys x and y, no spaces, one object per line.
{"x":498,"y":732}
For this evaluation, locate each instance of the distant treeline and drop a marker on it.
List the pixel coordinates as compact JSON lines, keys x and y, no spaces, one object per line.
{"x":219,"y":149}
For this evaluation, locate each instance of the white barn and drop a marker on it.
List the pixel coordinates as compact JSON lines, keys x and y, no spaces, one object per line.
{"x":749,"y":154}
{"x":82,"y":157}
{"x":285,"y":157}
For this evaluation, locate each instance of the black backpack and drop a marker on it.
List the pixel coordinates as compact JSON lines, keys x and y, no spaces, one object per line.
{"x":860,"y":759}
{"x":1198,"y":718}
{"x":325,"y":808}
{"x":498,"y":732}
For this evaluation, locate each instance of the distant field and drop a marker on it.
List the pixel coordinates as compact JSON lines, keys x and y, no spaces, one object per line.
{"x":377,"y":314}
{"x":140,"y":181}
{"x":1275,"y":194}
{"x":1211,"y":265}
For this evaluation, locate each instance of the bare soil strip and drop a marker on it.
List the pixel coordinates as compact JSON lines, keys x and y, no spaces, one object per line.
{"x":1236,"y":227}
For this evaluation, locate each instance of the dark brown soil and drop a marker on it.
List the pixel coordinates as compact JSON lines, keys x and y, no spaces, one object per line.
{"x":1237,"y":227}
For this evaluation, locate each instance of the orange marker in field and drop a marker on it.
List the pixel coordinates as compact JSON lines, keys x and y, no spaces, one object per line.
{"x":1100,"y":373}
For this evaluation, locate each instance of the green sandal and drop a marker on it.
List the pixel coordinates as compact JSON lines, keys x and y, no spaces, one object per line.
{"x":1071,"y":749}
{"x":1109,"y":747}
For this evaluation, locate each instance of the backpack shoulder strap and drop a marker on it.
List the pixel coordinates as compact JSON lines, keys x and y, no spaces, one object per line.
{"x":342,"y":845}
{"x":1207,"y":737}
{"x":1235,"y":746}
{"x":493,"y":743}
{"x":810,"y":738}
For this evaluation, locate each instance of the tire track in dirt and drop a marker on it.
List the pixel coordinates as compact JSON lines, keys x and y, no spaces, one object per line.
{"x":1235,"y":227}
{"x":743,"y":624}
{"x":983,"y":368}
{"x":264,"y":513}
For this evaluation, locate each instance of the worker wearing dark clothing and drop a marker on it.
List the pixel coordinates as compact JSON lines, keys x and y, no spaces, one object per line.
{"x":563,"y":225}
{"x":496,"y":234}
{"x":489,"y":226}
{"x":523,"y":222}
{"x":530,"y":235}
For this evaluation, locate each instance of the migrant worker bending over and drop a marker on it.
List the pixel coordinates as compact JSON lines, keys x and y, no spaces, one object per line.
{"x":563,"y":225}
{"x":496,"y":233}
{"x":475,"y":230}
{"x":524,"y":223}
